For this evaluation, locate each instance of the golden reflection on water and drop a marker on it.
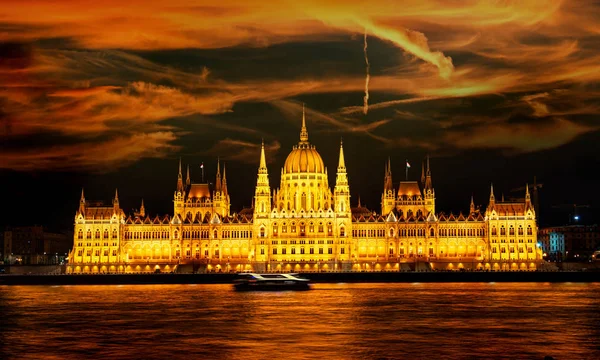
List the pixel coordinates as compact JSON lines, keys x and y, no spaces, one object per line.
{"x":333,"y":321}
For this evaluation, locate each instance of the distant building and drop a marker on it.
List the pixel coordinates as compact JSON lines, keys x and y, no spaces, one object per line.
{"x":571,"y":242}
{"x":32,"y":245}
{"x":305,"y":225}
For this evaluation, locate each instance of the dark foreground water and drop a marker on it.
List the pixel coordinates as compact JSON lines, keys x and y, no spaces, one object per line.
{"x":333,"y":321}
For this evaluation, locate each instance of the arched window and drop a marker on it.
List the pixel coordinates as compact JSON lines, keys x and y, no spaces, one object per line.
{"x":275,"y":229}
{"x":342,"y":231}
{"x":529,"y":230}
{"x":320,"y":227}
{"x":494,"y":232}
{"x":80,"y":234}
{"x":303,"y":201}
{"x":97,"y":234}
{"x":511,"y":230}
{"x":329,"y":229}
{"x":302,"y":228}
{"x":175,"y":234}
{"x":431,"y":232}
{"x":311,"y":227}
{"x":262,"y":232}
{"x":502,"y":230}
{"x":106,"y":233}
{"x":520,"y":230}
{"x":114,"y":234}
{"x":215,"y":234}
{"x":391,"y":232}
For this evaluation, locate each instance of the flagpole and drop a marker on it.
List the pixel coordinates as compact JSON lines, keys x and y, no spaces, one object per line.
{"x":202,"y":167}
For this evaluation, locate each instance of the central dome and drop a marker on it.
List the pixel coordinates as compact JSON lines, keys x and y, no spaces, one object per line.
{"x":304,"y":158}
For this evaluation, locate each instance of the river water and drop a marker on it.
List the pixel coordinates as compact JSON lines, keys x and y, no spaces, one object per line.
{"x":332,"y":321}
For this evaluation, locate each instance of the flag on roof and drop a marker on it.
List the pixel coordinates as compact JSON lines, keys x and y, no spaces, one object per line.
{"x":202,"y":166}
{"x":407,"y":164}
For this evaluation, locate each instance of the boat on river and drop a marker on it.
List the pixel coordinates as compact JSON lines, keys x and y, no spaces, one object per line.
{"x":266,"y":282}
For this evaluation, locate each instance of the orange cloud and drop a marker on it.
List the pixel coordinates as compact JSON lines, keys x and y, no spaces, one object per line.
{"x":243,"y":151}
{"x":99,"y":156}
{"x":444,"y":49}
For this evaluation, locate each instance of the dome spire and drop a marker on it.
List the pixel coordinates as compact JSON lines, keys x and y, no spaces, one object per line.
{"x":303,"y":131}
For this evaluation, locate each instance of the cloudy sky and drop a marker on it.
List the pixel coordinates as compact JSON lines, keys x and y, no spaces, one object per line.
{"x":110,"y":94}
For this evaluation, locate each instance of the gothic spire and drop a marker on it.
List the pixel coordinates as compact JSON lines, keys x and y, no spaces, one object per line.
{"x":472,"y":207}
{"x":303,"y":131}
{"x":179,"y":178}
{"x":492,"y":197}
{"x":224,"y":180}
{"x":188,"y":181}
{"x":341,"y":163}
{"x":263,"y":161}
{"x":218,"y":180}
{"x":423,"y":174}
{"x":428,"y":184}
{"x":387,"y":183}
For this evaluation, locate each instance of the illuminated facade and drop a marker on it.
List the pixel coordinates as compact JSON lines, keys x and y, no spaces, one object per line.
{"x":304,"y":225}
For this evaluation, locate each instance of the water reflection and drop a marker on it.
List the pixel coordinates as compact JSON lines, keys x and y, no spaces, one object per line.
{"x":337,"y":321}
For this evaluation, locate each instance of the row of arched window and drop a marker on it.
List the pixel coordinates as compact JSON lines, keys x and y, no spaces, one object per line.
{"x":511,"y":230}
{"x":320,"y":228}
{"x":97,"y":234}
{"x":146,"y":235}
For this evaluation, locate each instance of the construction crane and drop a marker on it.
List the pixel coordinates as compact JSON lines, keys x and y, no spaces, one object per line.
{"x":574,"y":215}
{"x":533,"y":188}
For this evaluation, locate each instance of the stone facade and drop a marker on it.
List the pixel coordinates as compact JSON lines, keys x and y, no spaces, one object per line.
{"x":304,"y":225}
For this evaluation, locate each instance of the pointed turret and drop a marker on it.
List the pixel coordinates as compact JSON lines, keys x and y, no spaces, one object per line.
{"x":387,"y":185}
{"x":218,"y":177}
{"x":359,"y":201}
{"x":423,"y":174}
{"x":188,"y":181}
{"x":262,"y":194}
{"x":342,"y":190}
{"x":492,"y":197}
{"x":388,"y":196}
{"x":303,"y":131}
{"x":428,"y":184}
{"x":528,"y":204}
{"x":263,"y":161}
{"x":224,"y":181}
{"x":142,"y":209}
{"x":472,"y":207}
{"x":116,"y":201}
{"x":179,"y":179}
{"x":82,"y":203}
{"x":341,"y":162}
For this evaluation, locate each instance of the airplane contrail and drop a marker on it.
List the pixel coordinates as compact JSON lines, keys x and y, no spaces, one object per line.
{"x":366,"y":97}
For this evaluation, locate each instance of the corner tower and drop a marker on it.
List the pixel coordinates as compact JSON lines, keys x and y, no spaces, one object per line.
{"x":262,"y":195}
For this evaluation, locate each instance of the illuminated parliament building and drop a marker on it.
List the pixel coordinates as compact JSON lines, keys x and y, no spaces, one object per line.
{"x":304,"y":225}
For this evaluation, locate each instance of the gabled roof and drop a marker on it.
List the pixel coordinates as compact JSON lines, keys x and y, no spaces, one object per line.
{"x":99,"y":213}
{"x":409,"y":188}
{"x":505,"y":209}
{"x":199,"y":191}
